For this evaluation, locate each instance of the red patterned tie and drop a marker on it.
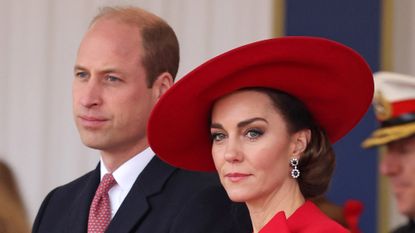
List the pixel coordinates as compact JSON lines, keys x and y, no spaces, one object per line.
{"x":100,"y":211}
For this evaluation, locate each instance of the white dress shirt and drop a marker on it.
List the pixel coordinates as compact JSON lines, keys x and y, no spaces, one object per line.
{"x":125,"y":176}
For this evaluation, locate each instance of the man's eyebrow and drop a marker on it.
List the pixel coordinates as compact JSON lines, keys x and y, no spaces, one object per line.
{"x":103,"y":71}
{"x":79,"y":67}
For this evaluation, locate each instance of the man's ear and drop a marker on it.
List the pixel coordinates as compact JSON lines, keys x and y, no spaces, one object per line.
{"x":162,"y":83}
{"x":301,"y":140}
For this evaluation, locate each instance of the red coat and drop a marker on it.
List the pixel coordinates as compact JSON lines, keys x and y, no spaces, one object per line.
{"x":306,"y":219}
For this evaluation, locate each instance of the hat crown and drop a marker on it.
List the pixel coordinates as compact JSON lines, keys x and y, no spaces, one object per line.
{"x":394,"y":95}
{"x":394,"y":105}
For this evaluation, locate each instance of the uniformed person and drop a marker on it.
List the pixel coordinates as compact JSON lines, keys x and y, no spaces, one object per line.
{"x":394,"y":105}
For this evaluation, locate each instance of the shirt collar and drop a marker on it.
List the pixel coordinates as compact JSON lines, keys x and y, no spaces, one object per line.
{"x":127,"y":173}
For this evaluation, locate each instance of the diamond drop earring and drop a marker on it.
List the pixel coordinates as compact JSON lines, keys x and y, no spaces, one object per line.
{"x":295,"y":173}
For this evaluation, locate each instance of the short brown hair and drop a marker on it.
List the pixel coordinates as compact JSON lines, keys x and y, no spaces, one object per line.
{"x":317,"y":163}
{"x":159,"y":40}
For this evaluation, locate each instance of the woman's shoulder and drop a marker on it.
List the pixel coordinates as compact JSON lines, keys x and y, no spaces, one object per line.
{"x":309,"y":218}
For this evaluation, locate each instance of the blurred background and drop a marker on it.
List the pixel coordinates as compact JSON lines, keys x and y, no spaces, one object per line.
{"x":39,"y":41}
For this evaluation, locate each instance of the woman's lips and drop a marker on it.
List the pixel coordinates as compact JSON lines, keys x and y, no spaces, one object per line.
{"x":236,"y":176}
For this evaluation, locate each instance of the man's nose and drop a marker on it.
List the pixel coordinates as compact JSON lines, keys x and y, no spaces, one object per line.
{"x":91,"y":94}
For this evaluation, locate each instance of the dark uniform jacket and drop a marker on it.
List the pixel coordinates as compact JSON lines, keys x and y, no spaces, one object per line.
{"x":408,"y":228}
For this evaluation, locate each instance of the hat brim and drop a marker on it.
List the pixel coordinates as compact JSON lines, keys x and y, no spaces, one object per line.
{"x":383,"y":136}
{"x":332,"y":80}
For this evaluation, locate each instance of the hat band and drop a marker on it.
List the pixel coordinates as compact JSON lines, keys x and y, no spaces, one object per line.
{"x":402,"y":119}
{"x":403,"y":107}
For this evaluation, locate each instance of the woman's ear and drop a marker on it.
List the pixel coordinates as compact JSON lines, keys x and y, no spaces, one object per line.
{"x":301,"y":140}
{"x":162,"y":83}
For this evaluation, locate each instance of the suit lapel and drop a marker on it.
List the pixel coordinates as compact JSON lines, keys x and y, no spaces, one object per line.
{"x":135,"y":206}
{"x":78,"y":214}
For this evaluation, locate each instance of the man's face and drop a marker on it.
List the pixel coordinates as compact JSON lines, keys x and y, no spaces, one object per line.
{"x":111,"y":102}
{"x":399,"y":165}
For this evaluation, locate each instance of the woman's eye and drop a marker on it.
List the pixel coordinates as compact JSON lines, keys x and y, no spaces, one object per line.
{"x":252,"y":134}
{"x":218,"y":137}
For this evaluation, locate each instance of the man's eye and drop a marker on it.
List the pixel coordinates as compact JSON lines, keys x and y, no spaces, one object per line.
{"x":81,"y":74}
{"x":112,"y":78}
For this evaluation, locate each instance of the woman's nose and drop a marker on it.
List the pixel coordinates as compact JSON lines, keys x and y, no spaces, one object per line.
{"x":233,"y":152}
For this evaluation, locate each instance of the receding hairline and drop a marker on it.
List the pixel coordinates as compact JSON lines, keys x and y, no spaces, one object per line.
{"x":127,"y":14}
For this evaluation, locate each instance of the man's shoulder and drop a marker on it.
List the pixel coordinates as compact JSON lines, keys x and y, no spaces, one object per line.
{"x":56,"y":206}
{"x":158,"y":173}
{"x":65,"y":194}
{"x":184,"y":187}
{"x":76,"y":184}
{"x":210,"y":178}
{"x":194,"y":182}
{"x":203,"y":205}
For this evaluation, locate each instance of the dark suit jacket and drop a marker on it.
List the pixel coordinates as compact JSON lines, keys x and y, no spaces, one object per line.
{"x":163,"y":199}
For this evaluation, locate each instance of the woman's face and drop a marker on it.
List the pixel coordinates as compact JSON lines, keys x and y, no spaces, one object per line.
{"x":251,"y":146}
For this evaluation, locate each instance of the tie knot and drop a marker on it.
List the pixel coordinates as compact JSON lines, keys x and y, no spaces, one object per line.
{"x":106,"y":183}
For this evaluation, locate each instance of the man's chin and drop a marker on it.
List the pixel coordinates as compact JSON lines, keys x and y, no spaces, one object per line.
{"x":407,"y":212}
{"x":95,"y":147}
{"x":93,"y":144}
{"x":405,"y":207}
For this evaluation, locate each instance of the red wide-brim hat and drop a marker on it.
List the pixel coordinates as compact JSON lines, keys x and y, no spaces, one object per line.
{"x":332,"y":80}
